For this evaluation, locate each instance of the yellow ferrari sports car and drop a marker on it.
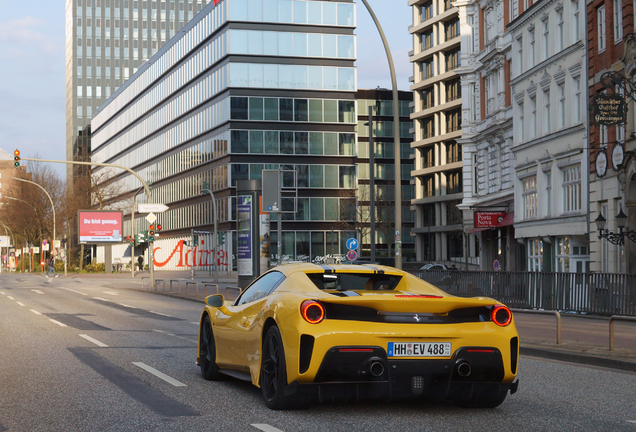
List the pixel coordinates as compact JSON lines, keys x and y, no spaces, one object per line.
{"x":305,"y":332}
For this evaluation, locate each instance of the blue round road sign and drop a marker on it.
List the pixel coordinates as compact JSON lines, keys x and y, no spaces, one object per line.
{"x":352,"y":255}
{"x":352,"y":244}
{"x":495,"y":265}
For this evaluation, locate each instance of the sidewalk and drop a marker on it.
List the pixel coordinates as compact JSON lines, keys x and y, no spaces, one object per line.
{"x":584,"y":339}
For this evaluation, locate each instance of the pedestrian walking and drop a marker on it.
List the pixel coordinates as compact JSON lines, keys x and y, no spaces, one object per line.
{"x":51,"y":267}
{"x":140,"y":261}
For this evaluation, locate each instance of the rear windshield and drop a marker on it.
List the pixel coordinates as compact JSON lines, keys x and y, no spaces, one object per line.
{"x":355,"y":281}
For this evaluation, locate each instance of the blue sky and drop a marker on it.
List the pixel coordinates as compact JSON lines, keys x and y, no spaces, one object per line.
{"x":32,"y":70}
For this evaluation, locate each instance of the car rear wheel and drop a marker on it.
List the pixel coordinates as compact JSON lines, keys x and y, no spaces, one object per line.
{"x":274,"y":374}
{"x":207,"y":353}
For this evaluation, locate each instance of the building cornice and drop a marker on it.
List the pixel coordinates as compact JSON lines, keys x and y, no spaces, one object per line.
{"x":546,"y":63}
{"x":545,"y":138}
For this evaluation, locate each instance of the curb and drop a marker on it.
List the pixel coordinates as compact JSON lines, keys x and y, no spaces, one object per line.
{"x":578,"y":358}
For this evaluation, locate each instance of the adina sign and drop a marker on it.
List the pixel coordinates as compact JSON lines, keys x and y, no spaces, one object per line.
{"x":608,"y":110}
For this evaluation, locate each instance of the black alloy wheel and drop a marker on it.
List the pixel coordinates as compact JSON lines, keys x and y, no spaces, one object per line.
{"x":207,"y":352}
{"x":274,"y":374}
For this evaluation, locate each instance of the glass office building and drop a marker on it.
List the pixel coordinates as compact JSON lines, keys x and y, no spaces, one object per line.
{"x":247,"y":85}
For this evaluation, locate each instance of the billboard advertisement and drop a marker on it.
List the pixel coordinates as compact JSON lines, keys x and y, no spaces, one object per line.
{"x":100,"y":226}
{"x":488,"y":219}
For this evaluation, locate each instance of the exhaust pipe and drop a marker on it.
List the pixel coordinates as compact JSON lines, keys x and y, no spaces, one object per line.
{"x":375,"y":367}
{"x":464,"y":369}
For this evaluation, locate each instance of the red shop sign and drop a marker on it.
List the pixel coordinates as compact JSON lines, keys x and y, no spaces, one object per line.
{"x":488,"y":219}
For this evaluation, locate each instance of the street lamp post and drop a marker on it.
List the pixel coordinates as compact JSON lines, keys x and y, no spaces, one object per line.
{"x":132,"y":233}
{"x":619,"y":237}
{"x":396,"y":136}
{"x":51,"y":200}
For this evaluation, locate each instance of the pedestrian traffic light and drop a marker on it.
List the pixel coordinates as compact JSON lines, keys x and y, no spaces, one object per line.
{"x":16,"y":158}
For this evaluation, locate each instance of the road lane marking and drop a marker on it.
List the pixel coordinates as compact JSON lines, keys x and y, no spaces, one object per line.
{"x":95,"y":341}
{"x":101,"y":299}
{"x":37,"y":291}
{"x":158,"y":374}
{"x":72,"y":290}
{"x":35,"y":312}
{"x":57,"y":322}
{"x":111,"y":293}
{"x":2,"y":293}
{"x":195,"y":323}
{"x":266,"y":428}
{"x":128,"y":306}
{"x":159,"y":313}
{"x":174,"y":335}
{"x":21,"y":304}
{"x":9,"y":297}
{"x":631,"y":421}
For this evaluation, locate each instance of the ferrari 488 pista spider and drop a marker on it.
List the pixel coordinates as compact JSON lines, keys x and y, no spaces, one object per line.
{"x":304,"y":332}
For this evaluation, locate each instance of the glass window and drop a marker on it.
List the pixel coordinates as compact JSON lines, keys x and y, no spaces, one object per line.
{"x":331,"y":209}
{"x":256,"y":141}
{"x":317,"y":209}
{"x":270,"y":10}
{"x":238,"y":75}
{"x":314,"y":77}
{"x":347,"y":177}
{"x":331,"y":143}
{"x":330,"y":45}
{"x":286,"y":109}
{"x":271,"y":109}
{"x":285,"y":76}
{"x":315,"y":143}
{"x":239,"y":141}
{"x":331,"y":111}
{"x":315,"y":111}
{"x":347,"y":144}
{"x":300,"y":44}
{"x":345,"y":14}
{"x":330,"y":78}
{"x":271,"y":142}
{"x":285,"y":44}
{"x":316,"y":176}
{"x":300,"y":12}
{"x":255,"y":10}
{"x":270,"y":43}
{"x":301,"y":143}
{"x":302,"y":175}
{"x":238,"y":41}
{"x":286,"y":143}
{"x":285,"y":11}
{"x":270,"y":76}
{"x":314,"y":12}
{"x":256,"y":171}
{"x":331,"y":176}
{"x":255,"y":42}
{"x":262,"y":286}
{"x":256,"y":108}
{"x":238,"y":108}
{"x":346,"y":79}
{"x":300,"y":77}
{"x":300,"y":110}
{"x":345,"y":46}
{"x":256,"y":75}
{"x":346,"y":111}
{"x":329,"y":14}
{"x":315,"y":44}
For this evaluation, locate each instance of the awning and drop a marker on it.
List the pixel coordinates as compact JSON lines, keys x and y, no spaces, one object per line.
{"x":509,"y":219}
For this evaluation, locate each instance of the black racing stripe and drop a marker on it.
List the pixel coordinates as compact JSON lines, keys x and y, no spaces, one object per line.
{"x":74,"y":320}
{"x":133,"y":386}
{"x":328,"y":269}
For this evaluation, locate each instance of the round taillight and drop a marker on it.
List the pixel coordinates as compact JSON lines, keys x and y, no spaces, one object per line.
{"x":312,"y":311}
{"x":501,"y":315}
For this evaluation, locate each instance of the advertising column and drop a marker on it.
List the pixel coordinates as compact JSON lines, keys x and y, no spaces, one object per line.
{"x":248,"y":231}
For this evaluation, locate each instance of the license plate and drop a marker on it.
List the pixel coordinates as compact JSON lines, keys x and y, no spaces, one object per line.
{"x":419,"y":349}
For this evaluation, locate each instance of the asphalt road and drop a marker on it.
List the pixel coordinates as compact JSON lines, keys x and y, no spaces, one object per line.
{"x":79,"y":355}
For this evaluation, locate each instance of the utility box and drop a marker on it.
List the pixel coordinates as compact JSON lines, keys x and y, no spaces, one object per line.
{"x":248,"y":193}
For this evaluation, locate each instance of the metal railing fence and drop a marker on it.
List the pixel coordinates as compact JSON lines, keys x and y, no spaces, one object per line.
{"x":594,"y":293}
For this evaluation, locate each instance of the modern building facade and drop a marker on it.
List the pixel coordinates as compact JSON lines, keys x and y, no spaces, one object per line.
{"x":550,"y":136}
{"x":242,"y":89}
{"x":381,"y":101}
{"x":437,"y":121}
{"x":612,"y":47}
{"x":106,"y":41}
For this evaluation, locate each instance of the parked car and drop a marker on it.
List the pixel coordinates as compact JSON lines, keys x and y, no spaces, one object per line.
{"x":304,"y":332}
{"x":434,"y":267}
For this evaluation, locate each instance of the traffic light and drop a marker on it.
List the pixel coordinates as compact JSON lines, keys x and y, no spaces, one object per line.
{"x":151,"y":233}
{"x":221,"y":240}
{"x":16,"y":158}
{"x":195,"y":240}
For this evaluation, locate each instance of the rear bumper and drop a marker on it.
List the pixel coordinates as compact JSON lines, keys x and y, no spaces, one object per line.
{"x":367,"y":373}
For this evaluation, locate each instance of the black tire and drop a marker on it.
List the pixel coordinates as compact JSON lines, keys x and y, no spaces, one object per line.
{"x":489,"y":398}
{"x":207,"y":352}
{"x":274,"y":374}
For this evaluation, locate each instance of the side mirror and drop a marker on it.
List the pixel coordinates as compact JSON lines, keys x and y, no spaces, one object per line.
{"x":215,"y":300}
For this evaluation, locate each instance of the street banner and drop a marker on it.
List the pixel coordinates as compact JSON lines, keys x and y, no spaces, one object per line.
{"x":100,"y":226}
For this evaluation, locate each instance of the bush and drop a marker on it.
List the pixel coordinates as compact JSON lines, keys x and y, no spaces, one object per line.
{"x":95,"y":268}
